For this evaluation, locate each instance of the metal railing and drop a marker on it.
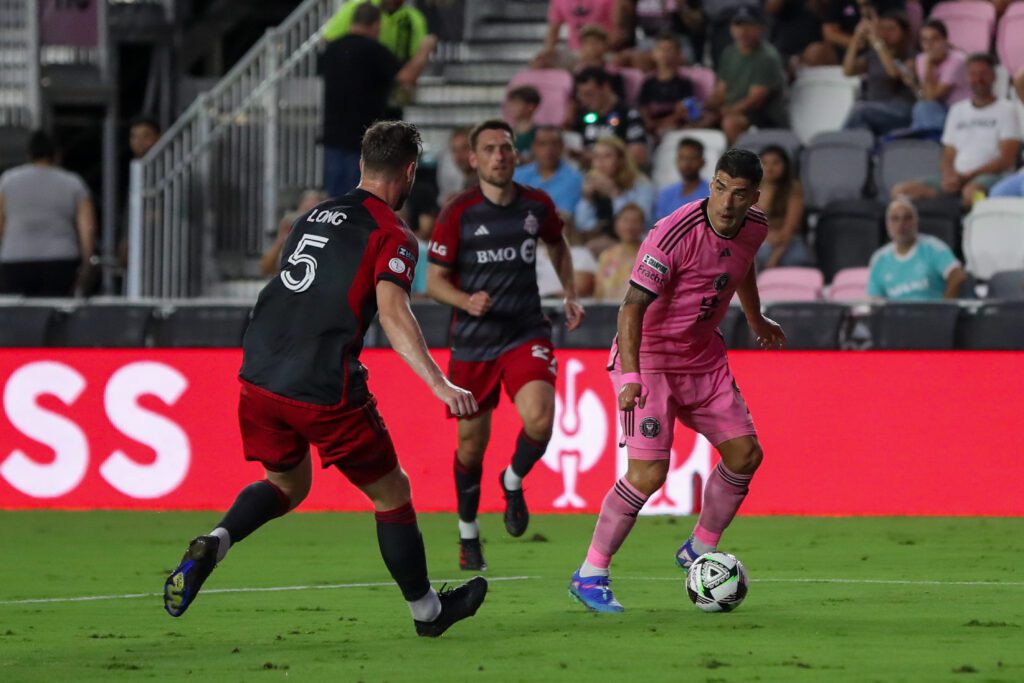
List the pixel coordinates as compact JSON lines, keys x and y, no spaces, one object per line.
{"x":208,"y":192}
{"x":20,"y":95}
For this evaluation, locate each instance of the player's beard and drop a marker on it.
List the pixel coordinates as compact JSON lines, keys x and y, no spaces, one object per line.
{"x":494,"y":179}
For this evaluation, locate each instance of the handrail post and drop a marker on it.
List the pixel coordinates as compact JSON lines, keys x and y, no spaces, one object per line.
{"x":271,"y":107}
{"x":135,"y":237}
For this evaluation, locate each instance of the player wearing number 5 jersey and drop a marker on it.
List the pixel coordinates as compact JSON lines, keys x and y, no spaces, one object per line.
{"x":482,"y":263}
{"x":668,"y":363}
{"x":303,"y":384}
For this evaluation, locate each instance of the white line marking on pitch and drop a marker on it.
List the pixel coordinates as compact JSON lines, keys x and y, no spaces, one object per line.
{"x":268,"y":589}
{"x":883,"y":582}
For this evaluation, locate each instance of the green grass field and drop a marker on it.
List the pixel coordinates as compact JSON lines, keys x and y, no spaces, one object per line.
{"x":831,"y":600}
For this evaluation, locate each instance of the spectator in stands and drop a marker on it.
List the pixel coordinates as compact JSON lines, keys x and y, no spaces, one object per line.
{"x":143,"y":133}
{"x":359,"y":74}
{"x":520,"y":106}
{"x":912,"y":267}
{"x":615,"y":263}
{"x":782,"y":199}
{"x":667,"y":99}
{"x":270,"y":261}
{"x":751,"y":80}
{"x":577,"y":14}
{"x":718,"y":19}
{"x":613,"y":182}
{"x":454,"y":174}
{"x":841,"y":19}
{"x":593,"y":53}
{"x":599,"y":113}
{"x":584,"y":266}
{"x":649,"y":19}
{"x":47,"y":226}
{"x":981,"y":140}
{"x":941,"y":79}
{"x":880,"y":49}
{"x":689,"y":162}
{"x":402,"y":27}
{"x":796,"y":25}
{"x":550,"y":172}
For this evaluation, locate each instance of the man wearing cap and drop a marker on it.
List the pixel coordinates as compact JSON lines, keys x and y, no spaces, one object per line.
{"x":751,"y":79}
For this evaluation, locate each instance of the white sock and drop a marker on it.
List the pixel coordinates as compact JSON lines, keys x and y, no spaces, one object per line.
{"x":426,"y":608}
{"x":587,"y":569}
{"x":225,"y":541}
{"x":469,"y":529}
{"x":513,"y":482}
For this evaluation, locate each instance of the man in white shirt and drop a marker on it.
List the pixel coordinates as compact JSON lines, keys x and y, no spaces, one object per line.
{"x":981,"y":140}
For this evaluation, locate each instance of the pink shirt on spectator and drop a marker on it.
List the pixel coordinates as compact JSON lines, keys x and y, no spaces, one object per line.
{"x":579,"y":13}
{"x":693,"y":271}
{"x":951,"y":70}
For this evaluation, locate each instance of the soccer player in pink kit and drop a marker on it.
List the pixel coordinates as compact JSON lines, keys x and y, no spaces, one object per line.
{"x":668,"y":363}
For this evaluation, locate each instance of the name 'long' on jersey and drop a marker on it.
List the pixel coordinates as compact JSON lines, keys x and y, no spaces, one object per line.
{"x":493,"y":248}
{"x":306,"y":333}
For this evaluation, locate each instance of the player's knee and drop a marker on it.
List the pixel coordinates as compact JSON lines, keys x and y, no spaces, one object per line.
{"x":296,"y":490}
{"x":749,"y":460}
{"x":648,"y":480}
{"x":539,"y":425}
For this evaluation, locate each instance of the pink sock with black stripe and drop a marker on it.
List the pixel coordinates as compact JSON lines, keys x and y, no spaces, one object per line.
{"x":618,"y":515}
{"x":723,"y":495}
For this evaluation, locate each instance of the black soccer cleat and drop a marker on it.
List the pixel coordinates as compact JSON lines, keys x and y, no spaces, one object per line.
{"x":471,"y":555}
{"x":183,"y":585}
{"x":517,"y":517}
{"x":456,"y":604}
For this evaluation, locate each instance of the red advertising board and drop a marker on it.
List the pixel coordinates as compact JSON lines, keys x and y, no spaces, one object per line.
{"x":902,"y":433}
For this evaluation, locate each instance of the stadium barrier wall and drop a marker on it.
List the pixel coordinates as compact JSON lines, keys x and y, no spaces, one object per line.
{"x":876,"y":433}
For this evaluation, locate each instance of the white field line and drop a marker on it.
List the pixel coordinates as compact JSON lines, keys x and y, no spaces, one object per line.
{"x":376,"y":584}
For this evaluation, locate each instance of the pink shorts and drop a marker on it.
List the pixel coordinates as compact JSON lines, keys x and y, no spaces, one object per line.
{"x":709,"y":404}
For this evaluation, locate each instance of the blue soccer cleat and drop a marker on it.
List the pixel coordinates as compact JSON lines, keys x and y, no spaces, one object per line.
{"x":183,"y":585}
{"x":594,"y":593}
{"x":686,"y":555}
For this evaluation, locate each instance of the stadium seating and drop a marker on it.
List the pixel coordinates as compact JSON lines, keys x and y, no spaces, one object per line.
{"x":917,"y":325}
{"x":849,"y":284}
{"x":703,"y":80}
{"x":205,"y":325}
{"x":596,"y":332}
{"x":970,"y":23}
{"x":790,"y":284}
{"x":665,"y":172}
{"x":757,"y":140}
{"x":555,"y":87}
{"x":26,"y":325}
{"x":1009,"y":45}
{"x":13,"y":143}
{"x":809,"y":325}
{"x":994,"y":237}
{"x":108,"y":325}
{"x":1007,"y":285}
{"x":734,"y":328}
{"x":435,"y":321}
{"x":993,"y":326}
{"x":848,"y":150}
{"x":848,"y":233}
{"x":902,"y":160}
{"x":940,"y":217}
{"x":819,"y":104}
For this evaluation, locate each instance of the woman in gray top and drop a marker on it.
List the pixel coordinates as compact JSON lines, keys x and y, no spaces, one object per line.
{"x":880,"y":49}
{"x":47,"y":225}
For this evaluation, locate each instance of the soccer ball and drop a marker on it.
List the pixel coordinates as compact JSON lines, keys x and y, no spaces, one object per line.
{"x":717,"y":582}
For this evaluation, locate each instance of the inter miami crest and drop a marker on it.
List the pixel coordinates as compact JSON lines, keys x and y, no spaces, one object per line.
{"x":531,"y":225}
{"x":721,"y":281}
{"x":650,"y":427}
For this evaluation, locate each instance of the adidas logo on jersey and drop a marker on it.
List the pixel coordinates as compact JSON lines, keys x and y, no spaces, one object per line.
{"x":482,"y":230}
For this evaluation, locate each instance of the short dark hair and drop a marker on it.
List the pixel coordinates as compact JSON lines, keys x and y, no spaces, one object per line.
{"x":900,"y":17}
{"x":936,"y":25}
{"x":366,"y":14}
{"x":741,"y":163}
{"x":390,"y":146}
{"x":41,"y":147}
{"x":145,"y":120}
{"x":691,"y":142}
{"x":489,"y":124}
{"x":595,"y":74}
{"x":982,"y":57}
{"x":525,"y":93}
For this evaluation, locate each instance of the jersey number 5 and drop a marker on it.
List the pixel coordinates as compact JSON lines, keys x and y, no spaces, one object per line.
{"x":308,"y":260}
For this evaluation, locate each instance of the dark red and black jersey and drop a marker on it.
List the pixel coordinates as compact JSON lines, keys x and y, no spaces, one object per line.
{"x":493,"y":248}
{"x":307,"y":328}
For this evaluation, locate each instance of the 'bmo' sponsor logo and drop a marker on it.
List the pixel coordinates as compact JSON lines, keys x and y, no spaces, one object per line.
{"x":327,"y":216}
{"x":528,"y":252}
{"x":656,"y":264}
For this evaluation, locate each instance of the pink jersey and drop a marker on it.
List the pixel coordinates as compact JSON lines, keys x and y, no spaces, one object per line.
{"x":693,"y":271}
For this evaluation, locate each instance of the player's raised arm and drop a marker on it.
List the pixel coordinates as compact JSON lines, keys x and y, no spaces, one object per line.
{"x":406,"y":339}
{"x":769,"y":333}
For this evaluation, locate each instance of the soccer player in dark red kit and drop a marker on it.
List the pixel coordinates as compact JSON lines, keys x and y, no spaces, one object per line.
{"x":302,"y":382}
{"x":482,"y":263}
